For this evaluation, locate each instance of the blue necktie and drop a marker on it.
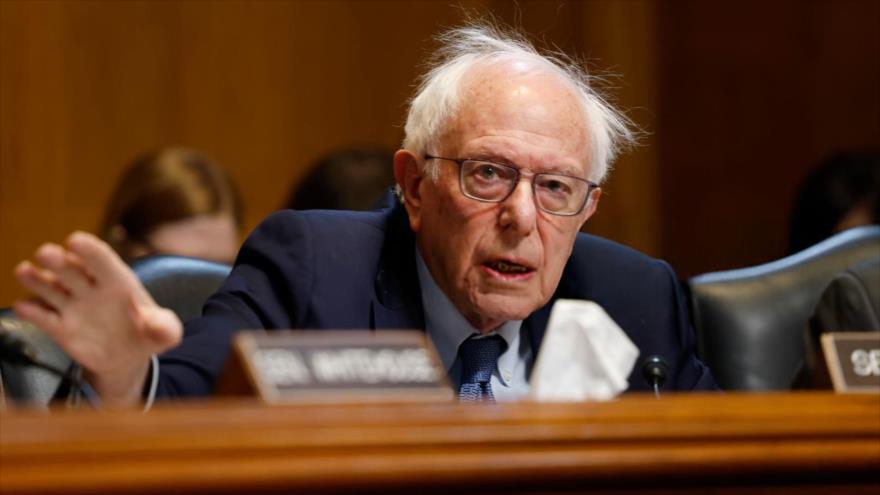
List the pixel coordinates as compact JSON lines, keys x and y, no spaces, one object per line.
{"x":479,"y":358}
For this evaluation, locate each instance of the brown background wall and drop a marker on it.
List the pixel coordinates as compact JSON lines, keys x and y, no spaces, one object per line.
{"x":740,"y":99}
{"x":751,"y":99}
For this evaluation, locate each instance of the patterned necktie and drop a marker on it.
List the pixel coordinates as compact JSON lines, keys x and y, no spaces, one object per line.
{"x":479,"y":358}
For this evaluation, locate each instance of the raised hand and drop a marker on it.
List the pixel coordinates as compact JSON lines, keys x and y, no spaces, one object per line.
{"x":91,"y":303}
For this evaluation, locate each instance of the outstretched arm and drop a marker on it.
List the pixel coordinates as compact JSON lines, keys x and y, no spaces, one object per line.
{"x":91,"y":303}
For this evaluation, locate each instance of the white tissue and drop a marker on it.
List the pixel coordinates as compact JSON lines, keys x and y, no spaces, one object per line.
{"x":584,"y":355}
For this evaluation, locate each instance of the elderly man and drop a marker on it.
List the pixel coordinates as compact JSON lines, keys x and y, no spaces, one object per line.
{"x":500,"y":168}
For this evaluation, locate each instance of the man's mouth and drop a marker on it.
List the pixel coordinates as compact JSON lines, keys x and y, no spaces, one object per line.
{"x":508,"y":268}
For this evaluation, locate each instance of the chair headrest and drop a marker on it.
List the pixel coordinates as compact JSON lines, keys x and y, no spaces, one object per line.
{"x":179,"y":283}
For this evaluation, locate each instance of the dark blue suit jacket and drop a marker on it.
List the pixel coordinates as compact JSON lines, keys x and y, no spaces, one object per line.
{"x":357,"y":270}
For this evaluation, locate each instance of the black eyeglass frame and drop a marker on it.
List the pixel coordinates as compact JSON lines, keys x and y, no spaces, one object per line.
{"x":460,"y":162}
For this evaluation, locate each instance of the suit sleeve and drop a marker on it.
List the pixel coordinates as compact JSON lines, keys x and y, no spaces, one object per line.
{"x":691,"y":373}
{"x":261,"y":292}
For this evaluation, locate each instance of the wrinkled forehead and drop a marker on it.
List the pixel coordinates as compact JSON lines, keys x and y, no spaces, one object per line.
{"x":522,"y":98}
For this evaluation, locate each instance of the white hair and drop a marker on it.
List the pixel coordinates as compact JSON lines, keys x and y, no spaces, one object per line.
{"x":462,"y":49}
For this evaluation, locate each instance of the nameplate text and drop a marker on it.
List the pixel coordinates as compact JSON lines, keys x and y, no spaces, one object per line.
{"x":853,"y":360}
{"x":341,"y":366}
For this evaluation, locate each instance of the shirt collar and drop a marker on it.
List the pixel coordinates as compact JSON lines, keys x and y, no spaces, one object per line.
{"x":446,"y":326}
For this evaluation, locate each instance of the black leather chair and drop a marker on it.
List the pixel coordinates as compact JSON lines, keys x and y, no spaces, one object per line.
{"x":851,"y":302}
{"x":751,"y":322}
{"x":178,"y":283}
{"x":21,"y":381}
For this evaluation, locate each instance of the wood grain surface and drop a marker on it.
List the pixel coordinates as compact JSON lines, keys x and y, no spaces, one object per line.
{"x":760,"y":443}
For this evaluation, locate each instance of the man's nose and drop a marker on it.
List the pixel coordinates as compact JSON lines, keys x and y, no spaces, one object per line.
{"x":519,"y":210}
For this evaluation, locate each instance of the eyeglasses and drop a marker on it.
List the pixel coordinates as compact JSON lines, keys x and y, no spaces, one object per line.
{"x":491,"y":182}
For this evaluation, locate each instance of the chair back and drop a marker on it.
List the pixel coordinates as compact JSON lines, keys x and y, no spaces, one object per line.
{"x":751,"y":322}
{"x":179,"y":283}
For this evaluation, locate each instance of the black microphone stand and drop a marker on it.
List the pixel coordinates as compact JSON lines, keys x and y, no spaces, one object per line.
{"x":654,"y":370}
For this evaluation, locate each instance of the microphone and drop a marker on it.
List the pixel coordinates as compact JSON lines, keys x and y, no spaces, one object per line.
{"x":654,"y":370}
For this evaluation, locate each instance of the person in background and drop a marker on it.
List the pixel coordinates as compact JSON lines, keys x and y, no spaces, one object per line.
{"x":841,"y":193}
{"x":348,"y":179}
{"x":174,"y":201}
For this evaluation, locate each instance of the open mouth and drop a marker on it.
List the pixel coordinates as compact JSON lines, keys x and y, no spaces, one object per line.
{"x":508,"y":268}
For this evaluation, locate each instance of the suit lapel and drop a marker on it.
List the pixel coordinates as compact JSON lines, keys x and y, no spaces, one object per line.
{"x":536,"y":326}
{"x":397,"y":303}
{"x":536,"y":323}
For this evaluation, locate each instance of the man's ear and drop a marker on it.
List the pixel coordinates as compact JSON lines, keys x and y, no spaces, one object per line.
{"x":409,"y":178}
{"x":592,"y":203}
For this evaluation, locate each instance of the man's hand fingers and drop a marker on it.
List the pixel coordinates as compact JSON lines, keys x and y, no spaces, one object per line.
{"x":98,"y":259}
{"x":38,"y":314}
{"x":43,"y":283}
{"x":66,"y":267}
{"x":160,"y":326}
{"x":163,"y":328}
{"x":92,"y":304}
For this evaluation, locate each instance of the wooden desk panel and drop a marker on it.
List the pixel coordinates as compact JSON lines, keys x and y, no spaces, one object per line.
{"x":763,"y":443}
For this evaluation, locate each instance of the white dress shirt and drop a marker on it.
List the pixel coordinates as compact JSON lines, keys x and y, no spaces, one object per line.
{"x":447,"y":329}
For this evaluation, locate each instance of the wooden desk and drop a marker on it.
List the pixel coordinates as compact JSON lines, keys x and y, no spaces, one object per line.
{"x":767,"y":443}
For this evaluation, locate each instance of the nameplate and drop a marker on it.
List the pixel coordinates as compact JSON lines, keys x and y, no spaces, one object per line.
{"x":853,"y":360}
{"x":292,"y":366}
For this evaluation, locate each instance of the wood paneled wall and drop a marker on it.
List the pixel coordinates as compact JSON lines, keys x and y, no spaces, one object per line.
{"x":263,"y":87}
{"x":753,"y":96}
{"x":739,"y":101}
